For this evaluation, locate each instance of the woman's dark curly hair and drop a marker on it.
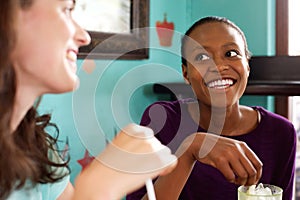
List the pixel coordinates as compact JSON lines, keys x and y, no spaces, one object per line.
{"x":24,"y":153}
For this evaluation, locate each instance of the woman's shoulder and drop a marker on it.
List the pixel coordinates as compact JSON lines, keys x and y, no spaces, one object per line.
{"x":45,"y":191}
{"x":166,"y":112}
{"x":27,"y":192}
{"x":172,"y":105}
{"x":269,"y":115}
{"x":273,"y":121}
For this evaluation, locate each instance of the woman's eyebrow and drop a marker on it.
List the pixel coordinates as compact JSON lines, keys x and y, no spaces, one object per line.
{"x":74,"y":1}
{"x":196,"y":48}
{"x":230,"y":44}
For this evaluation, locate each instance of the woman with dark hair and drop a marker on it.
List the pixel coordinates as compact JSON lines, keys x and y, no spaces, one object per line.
{"x":39,"y":43}
{"x":215,"y":63}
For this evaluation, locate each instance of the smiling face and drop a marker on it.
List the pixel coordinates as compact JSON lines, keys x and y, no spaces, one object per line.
{"x":48,"y":40}
{"x":217,"y":66}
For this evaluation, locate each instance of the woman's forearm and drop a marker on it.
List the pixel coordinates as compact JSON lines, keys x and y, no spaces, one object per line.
{"x":171,"y":185}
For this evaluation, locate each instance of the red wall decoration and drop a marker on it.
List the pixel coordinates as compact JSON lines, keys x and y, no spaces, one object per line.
{"x":165,"y":31}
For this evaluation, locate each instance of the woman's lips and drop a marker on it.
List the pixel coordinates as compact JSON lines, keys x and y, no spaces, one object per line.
{"x":220,"y":83}
{"x":72,"y":55}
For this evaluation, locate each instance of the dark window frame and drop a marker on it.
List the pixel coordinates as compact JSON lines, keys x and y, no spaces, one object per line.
{"x":282,"y":30}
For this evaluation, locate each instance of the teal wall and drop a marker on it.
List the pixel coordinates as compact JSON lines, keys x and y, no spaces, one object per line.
{"x":117,"y":92}
{"x":256,"y":18}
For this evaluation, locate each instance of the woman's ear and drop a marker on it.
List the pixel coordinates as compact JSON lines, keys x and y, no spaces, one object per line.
{"x":185,"y":74}
{"x":248,"y":70}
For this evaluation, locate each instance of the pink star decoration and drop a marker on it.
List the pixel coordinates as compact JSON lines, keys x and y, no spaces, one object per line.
{"x":86,"y":160}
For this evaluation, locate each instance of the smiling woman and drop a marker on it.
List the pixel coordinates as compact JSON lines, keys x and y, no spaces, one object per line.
{"x":34,"y":63}
{"x":218,"y":74}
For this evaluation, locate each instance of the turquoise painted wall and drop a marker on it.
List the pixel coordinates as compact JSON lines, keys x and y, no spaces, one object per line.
{"x":256,"y":18}
{"x":117,"y":92}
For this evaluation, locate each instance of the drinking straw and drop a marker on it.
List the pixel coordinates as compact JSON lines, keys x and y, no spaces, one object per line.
{"x":150,"y":190}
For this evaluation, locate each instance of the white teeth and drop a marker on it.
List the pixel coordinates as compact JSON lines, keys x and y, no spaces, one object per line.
{"x":71,"y":55}
{"x":220,"y":83}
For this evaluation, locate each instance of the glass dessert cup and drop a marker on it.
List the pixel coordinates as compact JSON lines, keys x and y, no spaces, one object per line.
{"x":260,"y":192}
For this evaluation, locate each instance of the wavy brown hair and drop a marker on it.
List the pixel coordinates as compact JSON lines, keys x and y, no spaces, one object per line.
{"x":24,"y":153}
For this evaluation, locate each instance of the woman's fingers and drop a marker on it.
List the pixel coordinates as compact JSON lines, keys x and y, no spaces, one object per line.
{"x":246,"y":165}
{"x":256,"y":163}
{"x":226,"y":169}
{"x":244,"y":171}
{"x":236,"y":161}
{"x":236,"y":168}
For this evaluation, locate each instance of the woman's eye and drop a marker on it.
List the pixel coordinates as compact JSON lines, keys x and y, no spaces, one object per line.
{"x":69,"y":7}
{"x":68,"y":10}
{"x":201,"y":57}
{"x":231,"y":53}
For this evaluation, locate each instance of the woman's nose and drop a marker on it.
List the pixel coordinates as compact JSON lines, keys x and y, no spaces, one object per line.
{"x":220,"y":64}
{"x":82,"y":36}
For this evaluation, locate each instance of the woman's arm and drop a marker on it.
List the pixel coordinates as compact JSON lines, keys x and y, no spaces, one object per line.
{"x":171,"y":185}
{"x":67,"y":193}
{"x":233,"y":158}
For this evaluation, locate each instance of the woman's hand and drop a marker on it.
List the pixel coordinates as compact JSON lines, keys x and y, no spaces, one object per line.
{"x":233,"y":158}
{"x":133,"y":156}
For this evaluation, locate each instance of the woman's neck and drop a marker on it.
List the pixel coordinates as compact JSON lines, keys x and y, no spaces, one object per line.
{"x":225,"y":121}
{"x":213,"y":119}
{"x":24,"y":100}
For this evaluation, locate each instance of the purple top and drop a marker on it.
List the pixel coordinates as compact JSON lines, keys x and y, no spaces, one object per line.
{"x":273,"y":141}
